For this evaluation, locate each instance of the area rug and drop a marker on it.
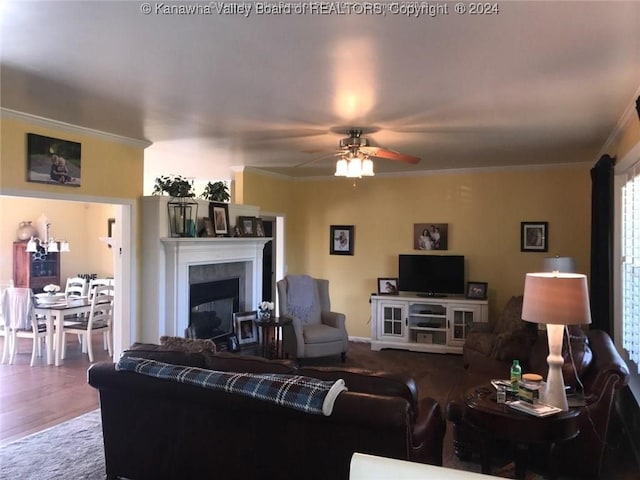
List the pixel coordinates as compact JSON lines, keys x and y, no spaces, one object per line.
{"x":70,"y":450}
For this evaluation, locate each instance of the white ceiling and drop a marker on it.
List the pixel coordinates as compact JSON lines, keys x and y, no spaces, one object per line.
{"x":536,"y":83}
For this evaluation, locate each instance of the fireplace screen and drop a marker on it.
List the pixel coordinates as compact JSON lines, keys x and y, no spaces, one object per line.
{"x":211,"y":308}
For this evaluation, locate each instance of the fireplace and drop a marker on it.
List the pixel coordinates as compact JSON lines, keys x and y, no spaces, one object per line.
{"x":211,"y":308}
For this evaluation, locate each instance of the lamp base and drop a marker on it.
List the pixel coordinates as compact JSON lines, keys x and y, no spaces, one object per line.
{"x":554,"y":392}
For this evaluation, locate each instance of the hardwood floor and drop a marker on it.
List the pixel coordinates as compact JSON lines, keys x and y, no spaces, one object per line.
{"x":36,"y":398}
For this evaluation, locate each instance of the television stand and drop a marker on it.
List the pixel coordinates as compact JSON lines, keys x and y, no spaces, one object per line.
{"x":424,"y":322}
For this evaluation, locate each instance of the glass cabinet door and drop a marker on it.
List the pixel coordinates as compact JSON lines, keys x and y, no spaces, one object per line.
{"x":462,"y":322}
{"x":392,"y":320}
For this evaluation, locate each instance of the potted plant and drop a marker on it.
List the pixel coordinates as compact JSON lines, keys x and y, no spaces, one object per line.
{"x":182,"y":212}
{"x":216,"y":192}
{"x":174,"y":185}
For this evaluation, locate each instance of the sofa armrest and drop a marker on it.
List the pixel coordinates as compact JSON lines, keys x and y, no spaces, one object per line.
{"x":428,"y":433}
{"x":333,"y":319}
{"x":606,"y":362}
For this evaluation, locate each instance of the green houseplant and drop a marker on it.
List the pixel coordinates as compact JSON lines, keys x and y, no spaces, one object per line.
{"x":183,"y":212}
{"x":216,"y":192}
{"x":174,"y":185}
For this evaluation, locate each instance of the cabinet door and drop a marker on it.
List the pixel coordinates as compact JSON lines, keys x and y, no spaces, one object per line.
{"x":461,"y":318}
{"x":391,"y":320}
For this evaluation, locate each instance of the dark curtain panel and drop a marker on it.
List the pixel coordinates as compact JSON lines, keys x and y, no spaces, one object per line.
{"x":602,"y":244}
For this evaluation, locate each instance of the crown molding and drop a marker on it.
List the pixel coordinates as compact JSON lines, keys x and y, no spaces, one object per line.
{"x":67,"y":127}
{"x":630,"y":115}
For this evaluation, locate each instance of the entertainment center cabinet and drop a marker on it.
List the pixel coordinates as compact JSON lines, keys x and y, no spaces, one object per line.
{"x":424,"y":324}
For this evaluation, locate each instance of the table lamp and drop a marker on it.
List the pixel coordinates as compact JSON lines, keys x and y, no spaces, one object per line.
{"x":556,"y":299}
{"x":559,"y":264}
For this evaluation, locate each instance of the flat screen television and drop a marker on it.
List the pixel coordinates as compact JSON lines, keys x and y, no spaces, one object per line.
{"x":431,"y":275}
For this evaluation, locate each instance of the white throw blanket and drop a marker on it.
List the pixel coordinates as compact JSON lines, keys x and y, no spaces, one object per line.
{"x":17,"y":307}
{"x":301,"y":297}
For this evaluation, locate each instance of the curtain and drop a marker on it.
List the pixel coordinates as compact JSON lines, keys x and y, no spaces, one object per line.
{"x":602,"y":244}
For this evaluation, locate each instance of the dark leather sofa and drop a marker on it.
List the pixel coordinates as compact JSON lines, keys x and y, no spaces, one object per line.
{"x":601,"y":373}
{"x":160,"y":429}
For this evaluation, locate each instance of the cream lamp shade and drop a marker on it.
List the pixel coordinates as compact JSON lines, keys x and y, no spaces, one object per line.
{"x":556,"y":299}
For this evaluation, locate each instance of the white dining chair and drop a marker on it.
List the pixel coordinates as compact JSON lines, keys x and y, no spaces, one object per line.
{"x":76,"y":287}
{"x":3,"y":328}
{"x":99,"y":321}
{"x":21,"y":322}
{"x":98,"y":281}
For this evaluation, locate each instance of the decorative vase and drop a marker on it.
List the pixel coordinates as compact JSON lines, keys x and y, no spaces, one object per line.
{"x":26,"y":231}
{"x":264,"y":315}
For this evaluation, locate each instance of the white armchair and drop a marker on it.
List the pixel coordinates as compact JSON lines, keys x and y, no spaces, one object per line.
{"x":315,"y":330}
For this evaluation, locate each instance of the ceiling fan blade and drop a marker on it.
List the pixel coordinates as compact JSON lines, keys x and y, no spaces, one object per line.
{"x":380,"y":152}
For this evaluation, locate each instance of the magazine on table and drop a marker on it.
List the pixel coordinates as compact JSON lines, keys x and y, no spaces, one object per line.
{"x":536,"y":409}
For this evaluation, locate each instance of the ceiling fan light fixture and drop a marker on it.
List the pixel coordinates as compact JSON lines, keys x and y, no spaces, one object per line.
{"x":341,"y":168}
{"x":354,"y":169}
{"x":367,"y":168}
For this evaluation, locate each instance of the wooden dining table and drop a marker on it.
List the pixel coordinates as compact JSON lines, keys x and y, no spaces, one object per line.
{"x":54,"y":311}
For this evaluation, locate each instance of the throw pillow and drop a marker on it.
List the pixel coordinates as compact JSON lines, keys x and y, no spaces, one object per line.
{"x":188,"y":345}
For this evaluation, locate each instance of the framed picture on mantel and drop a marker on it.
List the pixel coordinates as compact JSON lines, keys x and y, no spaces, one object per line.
{"x":219,"y":215}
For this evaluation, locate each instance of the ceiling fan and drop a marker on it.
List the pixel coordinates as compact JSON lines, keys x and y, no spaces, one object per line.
{"x":355,"y":153}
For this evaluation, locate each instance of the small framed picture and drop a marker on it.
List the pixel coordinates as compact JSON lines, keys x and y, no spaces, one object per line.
{"x":341,"y":240}
{"x":219,"y":216}
{"x":387,"y":286}
{"x":476,"y":290}
{"x":430,"y":236}
{"x":247,"y":226}
{"x":259,"y":228}
{"x":246,"y":329}
{"x":534,"y":236}
{"x":207,"y":228}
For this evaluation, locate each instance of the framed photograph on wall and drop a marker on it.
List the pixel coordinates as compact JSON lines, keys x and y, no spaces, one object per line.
{"x":219,"y":216}
{"x":476,"y":290}
{"x":387,"y":286}
{"x":246,"y":329}
{"x":534,"y":236}
{"x":110,"y":223}
{"x":341,"y":239}
{"x":430,"y":236}
{"x":53,"y":161}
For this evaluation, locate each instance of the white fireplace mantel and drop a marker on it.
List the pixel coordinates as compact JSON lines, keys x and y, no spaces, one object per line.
{"x":166,"y":262}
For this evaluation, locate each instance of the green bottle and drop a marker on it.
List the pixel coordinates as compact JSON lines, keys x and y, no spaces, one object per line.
{"x":516,"y":375}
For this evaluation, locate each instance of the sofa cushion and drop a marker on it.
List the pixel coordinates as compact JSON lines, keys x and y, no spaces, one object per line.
{"x":321,"y":333}
{"x":232,"y":362}
{"x":162,"y":353}
{"x":191,"y":345}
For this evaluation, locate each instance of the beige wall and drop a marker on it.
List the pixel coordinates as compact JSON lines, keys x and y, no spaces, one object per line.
{"x":79,"y":223}
{"x":483,"y":210}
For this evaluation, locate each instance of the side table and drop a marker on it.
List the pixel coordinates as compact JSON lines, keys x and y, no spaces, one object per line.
{"x":271,"y":336}
{"x":492,"y":420}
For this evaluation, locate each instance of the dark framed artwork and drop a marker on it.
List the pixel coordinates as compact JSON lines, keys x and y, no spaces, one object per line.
{"x":534,"y":236}
{"x":246,"y":328}
{"x":53,"y":160}
{"x":247,"y":226}
{"x":219,"y":216}
{"x":430,"y":236}
{"x":341,"y":239}
{"x":476,"y":290}
{"x":110,"y":223}
{"x":387,"y":286}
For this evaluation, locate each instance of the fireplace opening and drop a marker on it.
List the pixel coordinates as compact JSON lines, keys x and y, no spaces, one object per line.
{"x":211,"y":308}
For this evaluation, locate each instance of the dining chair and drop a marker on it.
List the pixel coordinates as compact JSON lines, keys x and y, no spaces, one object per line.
{"x":76,"y":286}
{"x":99,"y":321}
{"x":3,"y":327}
{"x":21,"y":322}
{"x":98,"y":281}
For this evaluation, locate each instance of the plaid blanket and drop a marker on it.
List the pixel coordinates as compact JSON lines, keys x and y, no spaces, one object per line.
{"x":306,"y":394}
